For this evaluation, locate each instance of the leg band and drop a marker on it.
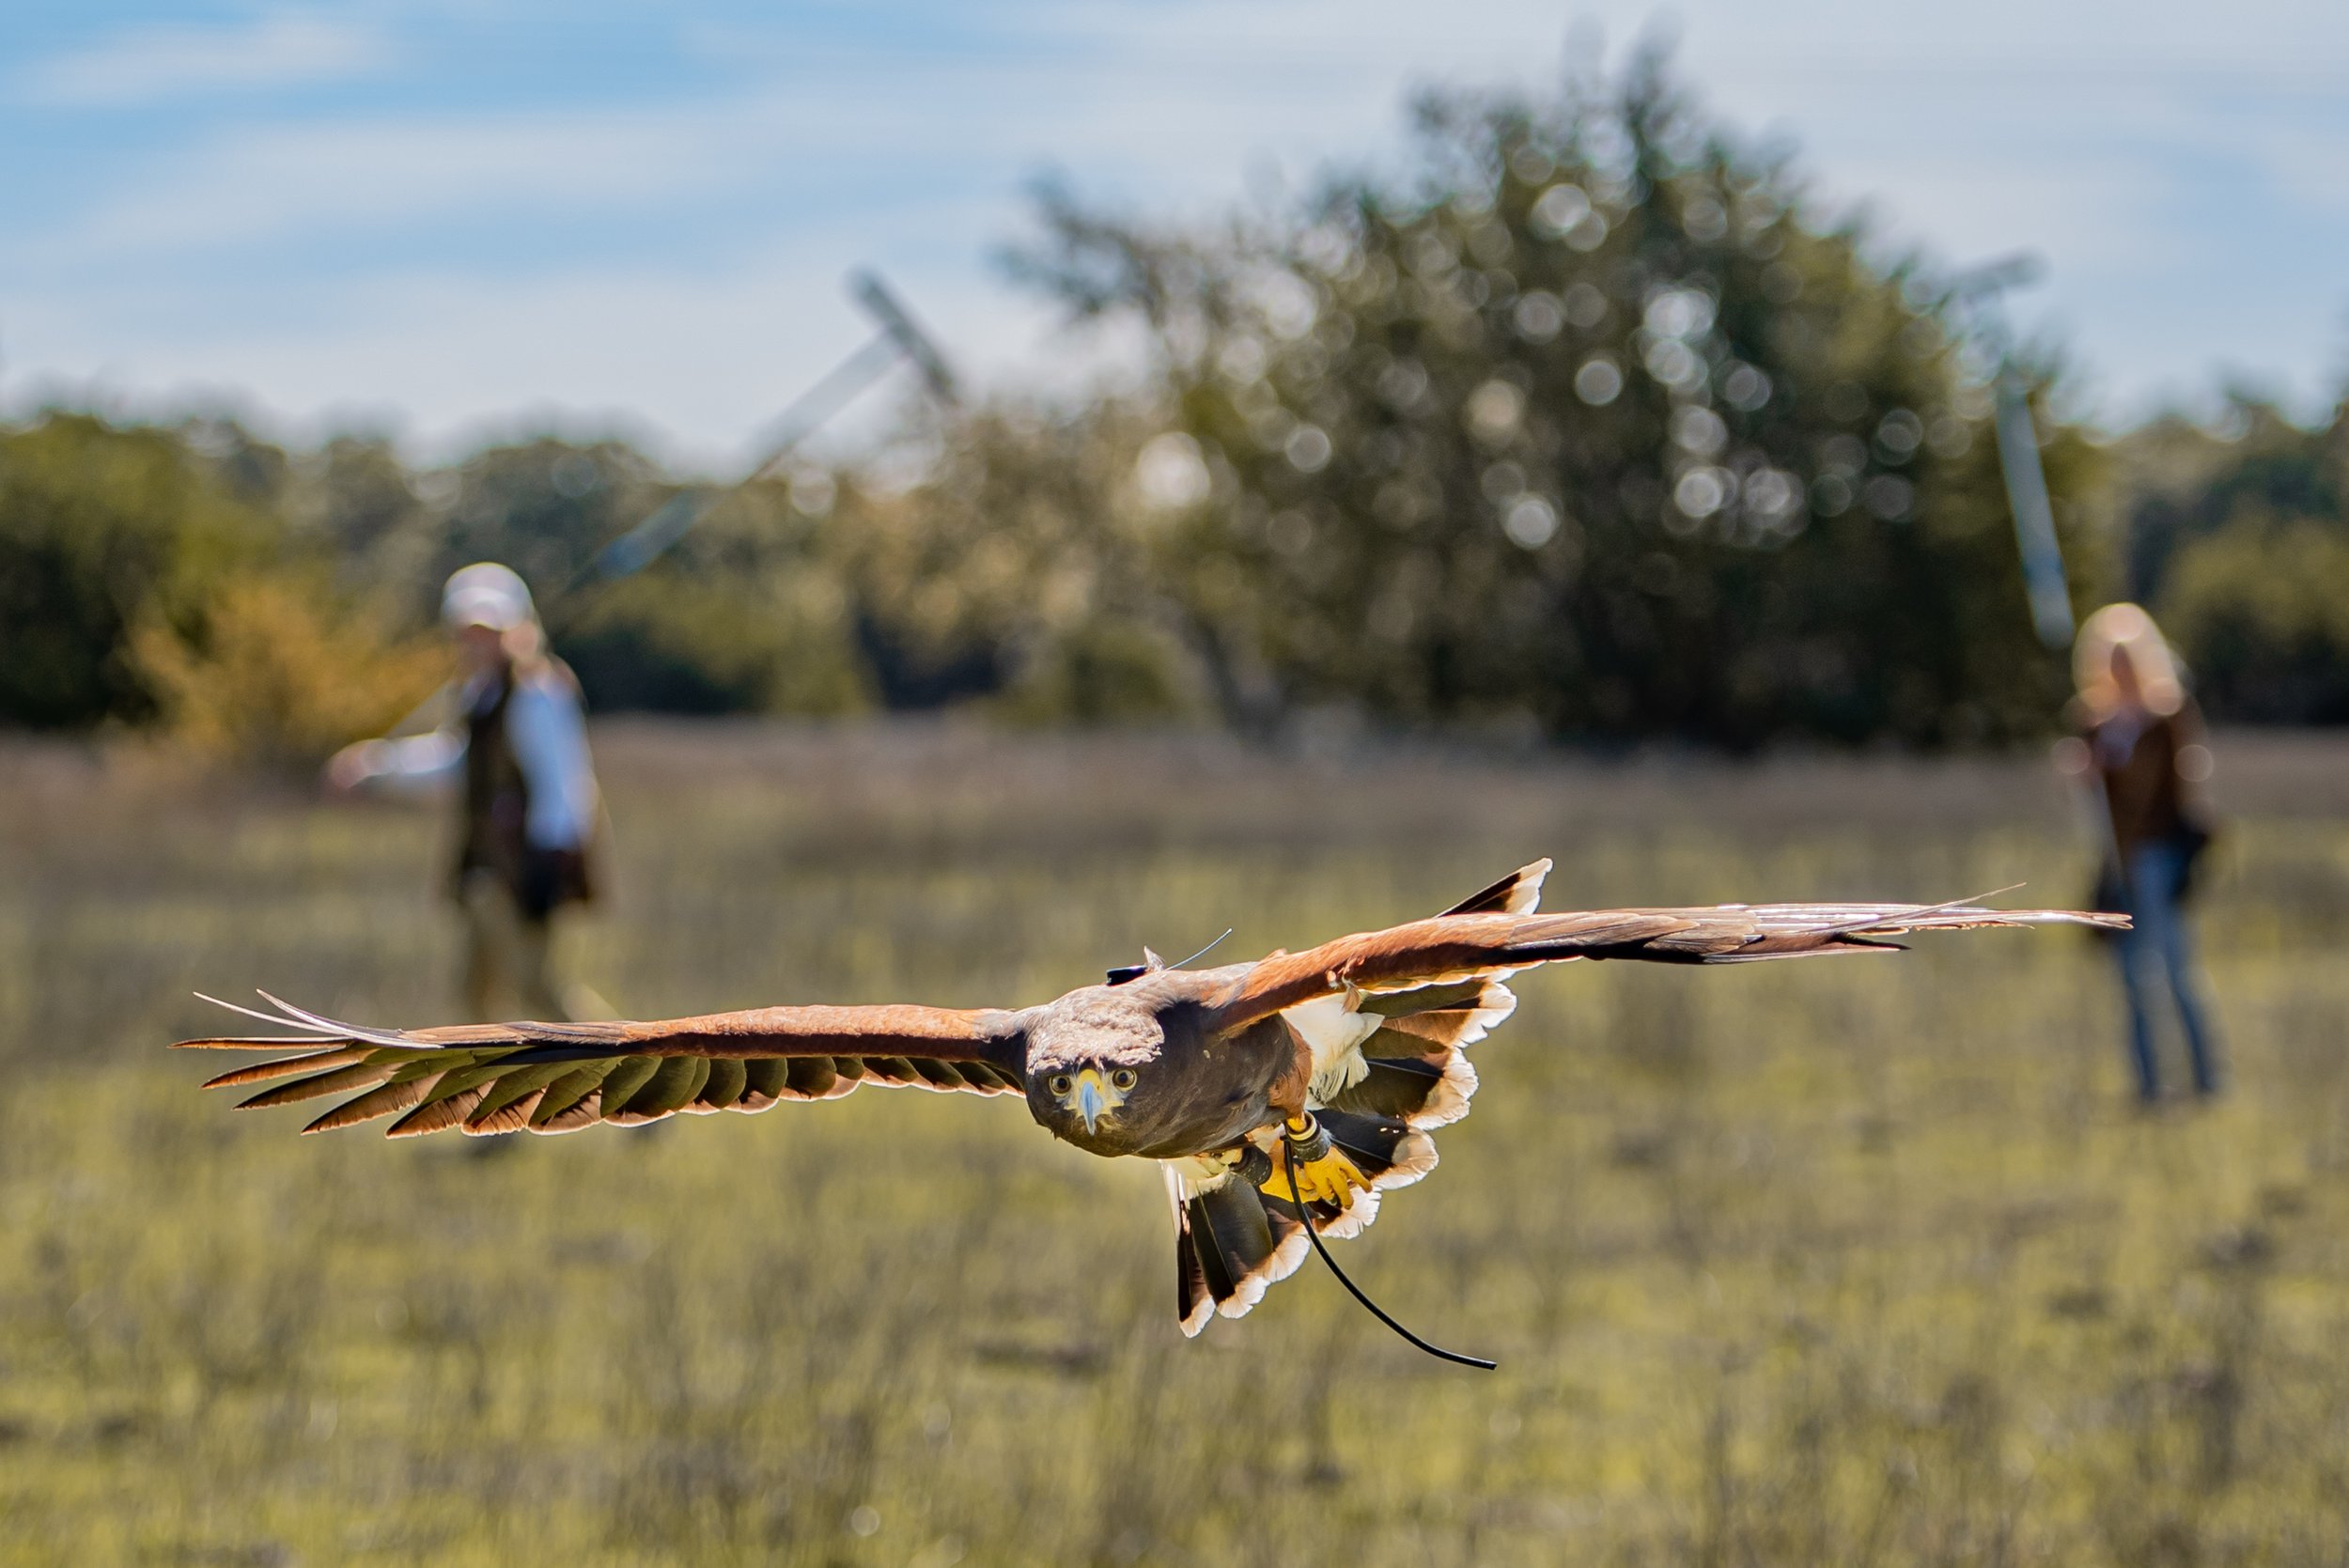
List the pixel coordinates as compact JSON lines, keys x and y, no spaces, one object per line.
{"x":1309,"y":1142}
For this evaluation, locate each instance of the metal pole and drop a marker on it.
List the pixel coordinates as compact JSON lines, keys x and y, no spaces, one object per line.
{"x":2035,"y":539}
{"x":899,"y":337}
{"x":2034,"y":517}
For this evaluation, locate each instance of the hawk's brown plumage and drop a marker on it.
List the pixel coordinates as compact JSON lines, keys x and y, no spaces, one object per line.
{"x":1353,"y":1050}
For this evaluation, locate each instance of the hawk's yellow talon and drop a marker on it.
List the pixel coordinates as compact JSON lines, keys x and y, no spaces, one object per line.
{"x":1329,"y":1177}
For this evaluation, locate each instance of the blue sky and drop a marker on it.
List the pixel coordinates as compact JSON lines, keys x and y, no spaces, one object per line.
{"x":456,"y":219}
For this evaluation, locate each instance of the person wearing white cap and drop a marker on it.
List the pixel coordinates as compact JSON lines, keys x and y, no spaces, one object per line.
{"x":515,"y":741}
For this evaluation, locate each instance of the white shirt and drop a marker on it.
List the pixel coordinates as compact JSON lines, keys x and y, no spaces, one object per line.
{"x":548,"y":736}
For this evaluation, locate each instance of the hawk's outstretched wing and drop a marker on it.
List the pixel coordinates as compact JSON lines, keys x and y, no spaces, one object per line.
{"x":1386,"y":1018}
{"x":1484,"y":936}
{"x":560,"y":1076}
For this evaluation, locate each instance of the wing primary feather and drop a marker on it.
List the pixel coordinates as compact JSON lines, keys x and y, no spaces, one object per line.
{"x":279,"y":1021}
{"x":565,"y":1093}
{"x":360,"y":1076}
{"x":332,"y":1026}
{"x":1915,"y":910}
{"x":286,"y":1066}
{"x":255,"y":1042}
{"x":397,"y":1096}
{"x":437,"y":1113}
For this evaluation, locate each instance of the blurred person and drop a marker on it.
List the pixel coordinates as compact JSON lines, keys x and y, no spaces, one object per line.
{"x":514,"y":739}
{"x":2140,"y":752}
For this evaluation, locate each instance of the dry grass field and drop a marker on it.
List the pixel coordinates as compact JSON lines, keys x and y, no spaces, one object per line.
{"x":1854,"y":1262}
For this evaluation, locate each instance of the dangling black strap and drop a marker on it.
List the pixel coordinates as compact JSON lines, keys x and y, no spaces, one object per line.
{"x":1288,"y":1159}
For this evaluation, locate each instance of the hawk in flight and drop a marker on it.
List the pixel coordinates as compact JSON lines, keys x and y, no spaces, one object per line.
{"x":1331,"y":1066}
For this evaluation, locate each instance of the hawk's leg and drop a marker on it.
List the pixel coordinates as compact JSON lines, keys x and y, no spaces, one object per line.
{"x":1324,"y":1174}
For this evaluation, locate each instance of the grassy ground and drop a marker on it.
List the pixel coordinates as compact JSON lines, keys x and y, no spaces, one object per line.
{"x":1859,"y":1262}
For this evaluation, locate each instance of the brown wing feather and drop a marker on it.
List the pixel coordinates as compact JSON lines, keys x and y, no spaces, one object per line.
{"x":489,"y":1079}
{"x":1449,"y":946}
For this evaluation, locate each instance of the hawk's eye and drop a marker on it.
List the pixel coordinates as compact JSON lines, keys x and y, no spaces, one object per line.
{"x":1122,"y":1079}
{"x":1060,"y":1084}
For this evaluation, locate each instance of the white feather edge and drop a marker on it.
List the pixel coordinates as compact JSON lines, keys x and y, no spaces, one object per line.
{"x":1415,"y":1157}
{"x":1187,"y":1178}
{"x":1526,"y":895}
{"x":1448,"y":1102}
{"x":1334,"y":1029}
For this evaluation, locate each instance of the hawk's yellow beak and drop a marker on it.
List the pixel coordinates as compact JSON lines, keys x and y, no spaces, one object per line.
{"x":1095,"y":1097}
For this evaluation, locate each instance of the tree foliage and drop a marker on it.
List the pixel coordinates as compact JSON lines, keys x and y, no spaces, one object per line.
{"x":2238,"y":538}
{"x":1579,"y":419}
{"x":104,"y":530}
{"x":1575,"y":418}
{"x":280,"y":670}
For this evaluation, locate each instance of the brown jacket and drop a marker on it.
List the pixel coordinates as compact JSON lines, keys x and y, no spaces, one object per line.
{"x":2136,"y":758}
{"x":496,"y":804}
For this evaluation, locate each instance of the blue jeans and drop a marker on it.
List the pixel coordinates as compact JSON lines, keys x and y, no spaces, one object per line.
{"x":2154,"y":956}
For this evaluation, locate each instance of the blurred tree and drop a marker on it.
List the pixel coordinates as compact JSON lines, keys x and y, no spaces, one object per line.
{"x":543,"y":507}
{"x":103,"y":529}
{"x":280,"y":669}
{"x":1578,"y":418}
{"x":240,"y":464}
{"x":2183,"y":482}
{"x":729,"y":621}
{"x":2261,"y":608}
{"x":1019,"y":567}
{"x":2238,"y":538}
{"x":1575,"y":418}
{"x":357,"y":499}
{"x":748,"y":613}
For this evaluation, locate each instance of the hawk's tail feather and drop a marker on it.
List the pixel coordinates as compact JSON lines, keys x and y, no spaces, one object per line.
{"x":1232,"y":1244}
{"x":1234,"y":1241}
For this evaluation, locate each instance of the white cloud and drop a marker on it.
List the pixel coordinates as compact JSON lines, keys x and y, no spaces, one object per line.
{"x":279,"y":49}
{"x":253,"y":186}
{"x":697,"y":365}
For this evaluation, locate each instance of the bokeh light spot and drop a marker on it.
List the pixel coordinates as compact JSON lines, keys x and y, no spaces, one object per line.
{"x":1494,"y":409}
{"x":1699,"y":429}
{"x":1560,"y":210}
{"x":1170,"y":473}
{"x":1599,"y":381}
{"x":1889,"y":496}
{"x":1701,"y":492}
{"x":1539,"y":317}
{"x":1705,"y":220}
{"x":1531,"y":522}
{"x":1308,"y":449}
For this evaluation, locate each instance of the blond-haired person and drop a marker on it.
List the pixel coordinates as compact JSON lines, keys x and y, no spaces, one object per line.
{"x":2141,"y":750}
{"x":515,"y":742}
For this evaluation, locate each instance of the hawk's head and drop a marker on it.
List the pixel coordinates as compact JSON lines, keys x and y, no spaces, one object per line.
{"x":1095,"y":1072}
{"x":1123,"y":1069}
